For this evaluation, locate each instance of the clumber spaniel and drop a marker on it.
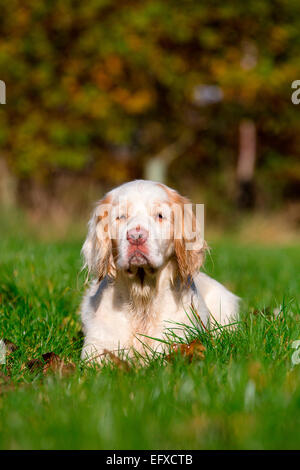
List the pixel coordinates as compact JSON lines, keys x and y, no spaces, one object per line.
{"x":144,"y":249}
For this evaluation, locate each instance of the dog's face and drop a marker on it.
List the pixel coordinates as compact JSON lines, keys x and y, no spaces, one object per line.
{"x":141,"y":225}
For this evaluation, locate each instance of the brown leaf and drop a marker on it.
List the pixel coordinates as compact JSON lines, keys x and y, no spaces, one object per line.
{"x":51,"y":362}
{"x":10,"y":347}
{"x":120,"y":363}
{"x":195,"y":349}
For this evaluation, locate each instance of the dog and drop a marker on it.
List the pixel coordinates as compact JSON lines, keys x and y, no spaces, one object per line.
{"x":144,"y":250}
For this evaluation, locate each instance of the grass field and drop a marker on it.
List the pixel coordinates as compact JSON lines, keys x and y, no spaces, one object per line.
{"x":245,"y":394}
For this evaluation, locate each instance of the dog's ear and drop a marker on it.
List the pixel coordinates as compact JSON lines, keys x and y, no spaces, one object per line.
{"x":97,"y":248}
{"x":189,"y":245}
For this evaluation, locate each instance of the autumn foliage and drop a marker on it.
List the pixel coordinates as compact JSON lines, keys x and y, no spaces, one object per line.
{"x":95,"y":88}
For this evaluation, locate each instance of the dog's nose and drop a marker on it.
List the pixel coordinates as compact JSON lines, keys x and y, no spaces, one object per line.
{"x":137,"y":235}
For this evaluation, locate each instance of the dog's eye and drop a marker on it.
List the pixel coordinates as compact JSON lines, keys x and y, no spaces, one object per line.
{"x":159,"y":216}
{"x":121,"y":217}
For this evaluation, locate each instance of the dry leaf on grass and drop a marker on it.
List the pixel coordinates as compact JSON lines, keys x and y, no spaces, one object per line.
{"x":193,"y":350}
{"x":10,"y":347}
{"x":51,"y":363}
{"x":120,"y":363}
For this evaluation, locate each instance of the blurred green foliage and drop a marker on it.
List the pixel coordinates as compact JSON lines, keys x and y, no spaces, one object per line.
{"x":97,"y":87}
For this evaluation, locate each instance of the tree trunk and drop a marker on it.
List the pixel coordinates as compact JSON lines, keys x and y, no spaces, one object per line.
{"x":246,"y":164}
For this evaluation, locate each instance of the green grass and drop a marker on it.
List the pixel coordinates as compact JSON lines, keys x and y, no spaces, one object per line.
{"x":245,"y":394}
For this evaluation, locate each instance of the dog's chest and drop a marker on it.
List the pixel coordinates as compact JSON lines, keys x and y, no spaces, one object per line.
{"x":125,"y":324}
{"x":150,"y":325}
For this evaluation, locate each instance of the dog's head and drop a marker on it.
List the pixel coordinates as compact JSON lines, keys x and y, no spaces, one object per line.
{"x":141,"y":225}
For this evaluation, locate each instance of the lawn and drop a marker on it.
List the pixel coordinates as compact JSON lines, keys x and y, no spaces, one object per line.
{"x":245,"y":393}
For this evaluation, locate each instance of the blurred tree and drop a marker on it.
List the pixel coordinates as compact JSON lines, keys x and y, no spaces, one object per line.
{"x":86,"y":80}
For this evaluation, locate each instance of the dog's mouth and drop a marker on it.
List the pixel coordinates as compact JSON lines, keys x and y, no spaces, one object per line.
{"x":139,"y":266}
{"x":138,"y":259}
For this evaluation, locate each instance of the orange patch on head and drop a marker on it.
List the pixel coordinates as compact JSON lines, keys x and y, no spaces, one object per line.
{"x":101,"y":217}
{"x":189,"y":261}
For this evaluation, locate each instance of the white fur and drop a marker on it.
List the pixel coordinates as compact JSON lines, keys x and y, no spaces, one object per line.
{"x":123,"y":306}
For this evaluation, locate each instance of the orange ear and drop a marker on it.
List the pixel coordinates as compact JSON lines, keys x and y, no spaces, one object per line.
{"x":97,"y":248}
{"x":188,"y":245}
{"x":189,"y":261}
